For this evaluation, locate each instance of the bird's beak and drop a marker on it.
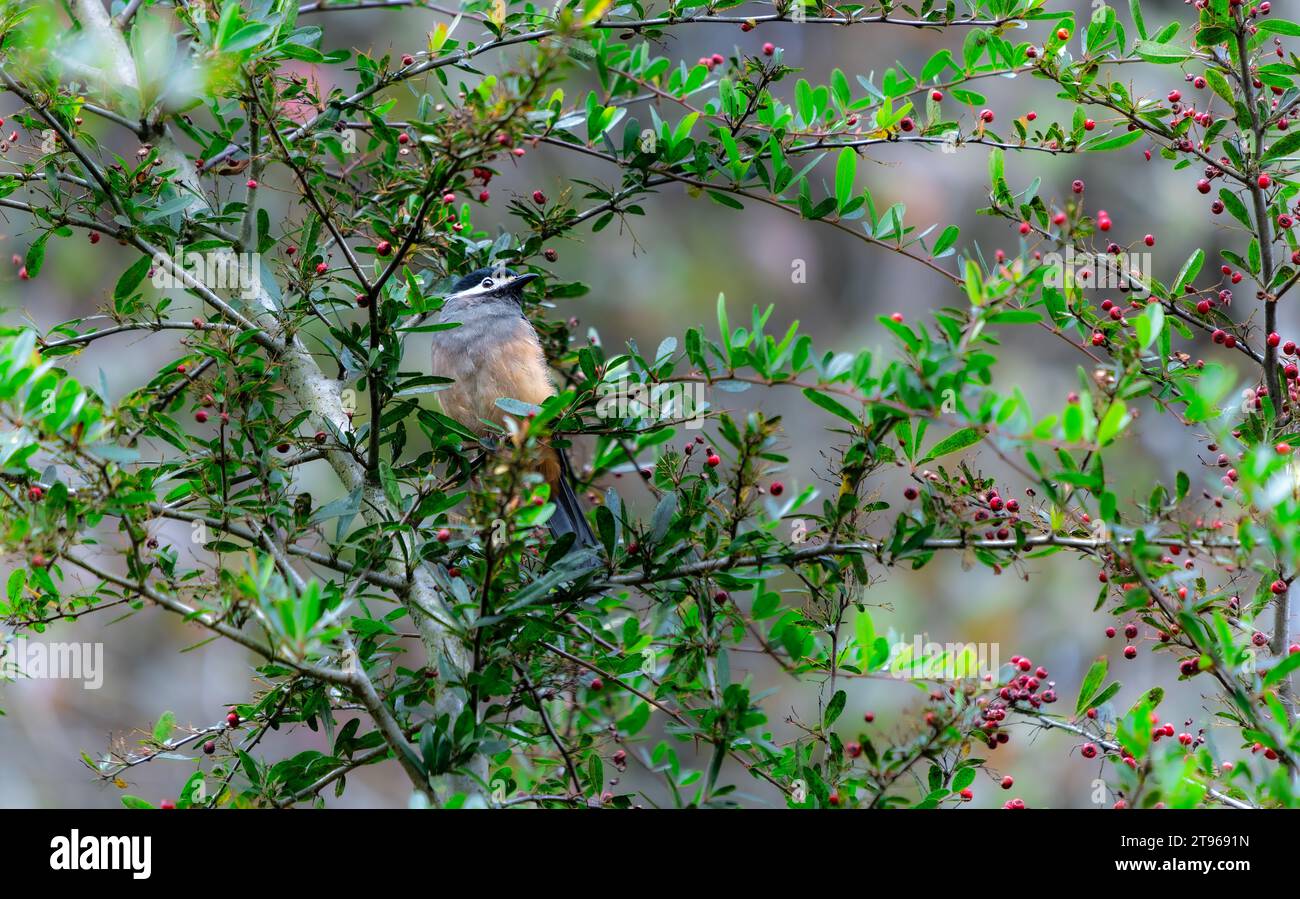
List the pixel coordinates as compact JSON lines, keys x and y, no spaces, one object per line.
{"x":520,"y":280}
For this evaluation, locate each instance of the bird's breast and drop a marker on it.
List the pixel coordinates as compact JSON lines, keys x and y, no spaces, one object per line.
{"x":489,"y":358}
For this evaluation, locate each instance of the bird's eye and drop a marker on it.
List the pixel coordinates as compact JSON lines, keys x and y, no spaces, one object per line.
{"x":487,"y":282}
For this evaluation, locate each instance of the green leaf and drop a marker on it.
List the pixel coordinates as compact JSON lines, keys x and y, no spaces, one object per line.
{"x":1282,"y":669}
{"x":958,"y":440}
{"x":1112,"y":422}
{"x":846,"y":168}
{"x":1091,"y":681}
{"x":131,"y":278}
{"x":835,"y":707}
{"x":36,"y":255}
{"x":945,"y":241}
{"x":1287,"y":146}
{"x":1150,"y":324}
{"x":831,"y":405}
{"x":1112,"y":141}
{"x":1135,"y":10}
{"x":1162,"y":54}
{"x":1235,"y":207}
{"x":162,"y":731}
{"x":1191,"y":268}
{"x":1279,"y":26}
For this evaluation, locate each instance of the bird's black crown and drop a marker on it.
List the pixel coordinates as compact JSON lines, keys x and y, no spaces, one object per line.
{"x":498,"y":275}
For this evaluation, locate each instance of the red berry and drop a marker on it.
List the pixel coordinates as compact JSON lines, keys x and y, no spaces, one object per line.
{"x":550,"y":255}
{"x":94,"y":237}
{"x":986,"y":115}
{"x":1088,"y":750}
{"x":769,"y":49}
{"x":443,"y":535}
{"x":597,"y":684}
{"x":967,"y":793}
{"x":1008,"y":782}
{"x":539,"y":197}
{"x":448,"y":198}
{"x":1062,"y":34}
{"x":777,"y":488}
{"x":1175,"y":96}
{"x":1089,"y":124}
{"x":252,"y":183}
{"x":1149,"y":240}
{"x":1110,"y":632}
{"x":209,"y":747}
{"x":1279,"y":587}
{"x":714,"y":460}
{"x":869,"y":717}
{"x":1130,"y":652}
{"x":200,"y":416}
{"x":910,"y":493}
{"x":853,"y":750}
{"x":383,"y":248}
{"x":1264,"y":181}
{"x":282,"y":448}
{"x":483,"y":196}
{"x":233,"y":719}
{"x":321,"y":268}
{"x":407,"y":59}
{"x":936,"y":96}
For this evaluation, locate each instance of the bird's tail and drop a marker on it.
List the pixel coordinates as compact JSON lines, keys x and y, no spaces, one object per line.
{"x":568,"y":517}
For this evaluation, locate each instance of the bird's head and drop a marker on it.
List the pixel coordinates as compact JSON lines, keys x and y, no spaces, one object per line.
{"x":490,"y":284}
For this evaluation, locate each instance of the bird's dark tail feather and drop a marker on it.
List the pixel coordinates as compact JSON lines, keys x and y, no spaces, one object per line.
{"x":569,"y":517}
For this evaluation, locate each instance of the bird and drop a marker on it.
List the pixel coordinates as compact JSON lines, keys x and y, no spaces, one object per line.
{"x":495,"y":353}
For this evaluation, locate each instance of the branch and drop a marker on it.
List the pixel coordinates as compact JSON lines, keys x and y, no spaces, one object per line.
{"x":124,"y":17}
{"x":207,"y":620}
{"x":1114,"y":748}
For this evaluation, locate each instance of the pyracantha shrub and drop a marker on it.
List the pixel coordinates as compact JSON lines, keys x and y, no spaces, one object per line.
{"x":420,"y":615}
